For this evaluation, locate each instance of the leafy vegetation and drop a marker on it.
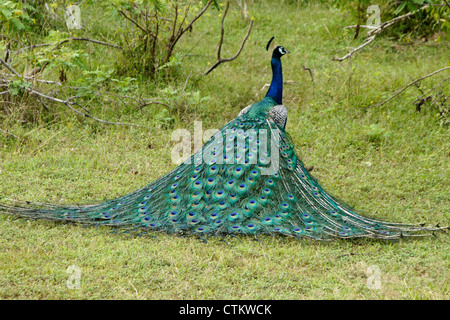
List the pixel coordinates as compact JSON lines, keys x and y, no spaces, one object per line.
{"x":434,"y":19}
{"x":390,"y":160}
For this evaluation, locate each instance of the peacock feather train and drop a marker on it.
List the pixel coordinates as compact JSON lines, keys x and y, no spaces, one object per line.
{"x":246,"y":180}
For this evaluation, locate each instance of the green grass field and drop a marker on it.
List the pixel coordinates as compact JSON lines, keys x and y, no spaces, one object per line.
{"x":388,"y":161}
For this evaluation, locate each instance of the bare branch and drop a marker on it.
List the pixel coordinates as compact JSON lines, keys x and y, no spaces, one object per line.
{"x":242,"y":44}
{"x":140,"y":102}
{"x":408,"y":85}
{"x":66,"y":102}
{"x":348,"y":55}
{"x":446,"y":79}
{"x":152,"y":102}
{"x":386,"y":24}
{"x":186,"y":12}
{"x":174,"y":22}
{"x":133,"y":21}
{"x":44,"y":81}
{"x":175,"y":37}
{"x":221,"y":60}
{"x":222,"y":31}
{"x":69,"y":104}
{"x":32,"y":47}
{"x":9,"y":67}
{"x":11,"y":38}
{"x":196,"y":17}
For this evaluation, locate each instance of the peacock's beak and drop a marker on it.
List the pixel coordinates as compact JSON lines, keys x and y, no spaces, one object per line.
{"x":287,"y":51}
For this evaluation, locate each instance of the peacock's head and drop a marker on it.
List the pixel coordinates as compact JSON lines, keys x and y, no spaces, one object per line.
{"x":279,"y":51}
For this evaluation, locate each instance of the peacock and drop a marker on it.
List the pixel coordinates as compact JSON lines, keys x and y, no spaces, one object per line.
{"x":246,"y":180}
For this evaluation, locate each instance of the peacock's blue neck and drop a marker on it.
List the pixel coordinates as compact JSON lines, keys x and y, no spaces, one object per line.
{"x":276,"y":87}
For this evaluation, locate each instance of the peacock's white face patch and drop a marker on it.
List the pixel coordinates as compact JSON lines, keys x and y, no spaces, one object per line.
{"x":282,"y":50}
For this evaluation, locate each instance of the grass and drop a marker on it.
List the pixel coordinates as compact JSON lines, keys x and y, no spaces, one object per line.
{"x":390,"y":162}
{"x":120,"y":267}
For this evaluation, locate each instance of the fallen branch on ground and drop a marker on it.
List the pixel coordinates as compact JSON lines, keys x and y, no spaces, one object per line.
{"x":348,"y":55}
{"x":408,"y":85}
{"x":422,"y":96}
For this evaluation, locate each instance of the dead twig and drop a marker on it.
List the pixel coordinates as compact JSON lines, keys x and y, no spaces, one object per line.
{"x":360,"y":26}
{"x":347,"y":254}
{"x":133,"y":21}
{"x":9,"y":67}
{"x":348,"y":55}
{"x":152,"y":102}
{"x":43,"y":104}
{"x":140,"y":102}
{"x":430,"y":90}
{"x":310,"y":72}
{"x":32,"y":47}
{"x":408,"y":85}
{"x":221,"y":60}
